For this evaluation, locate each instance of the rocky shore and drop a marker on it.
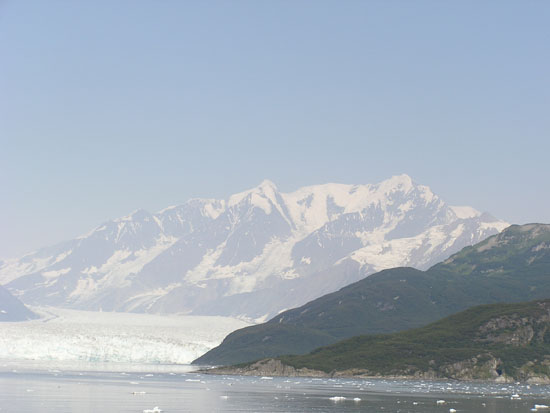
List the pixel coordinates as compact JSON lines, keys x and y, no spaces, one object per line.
{"x":469,"y":370}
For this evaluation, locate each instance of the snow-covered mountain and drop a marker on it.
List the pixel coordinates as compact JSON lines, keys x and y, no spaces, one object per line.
{"x":252,"y":255}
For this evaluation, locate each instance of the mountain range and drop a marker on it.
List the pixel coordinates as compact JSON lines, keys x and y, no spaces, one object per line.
{"x":251,"y":255}
{"x":511,"y":266}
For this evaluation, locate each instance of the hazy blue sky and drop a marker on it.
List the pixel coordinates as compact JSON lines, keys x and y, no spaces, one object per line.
{"x":110,"y":106}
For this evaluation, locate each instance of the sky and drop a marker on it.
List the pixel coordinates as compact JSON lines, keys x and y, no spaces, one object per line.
{"x":111,"y":106}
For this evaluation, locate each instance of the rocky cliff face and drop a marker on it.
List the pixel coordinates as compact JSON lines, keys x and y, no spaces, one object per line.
{"x":267,"y":367}
{"x":515,"y":331}
{"x":484,"y":367}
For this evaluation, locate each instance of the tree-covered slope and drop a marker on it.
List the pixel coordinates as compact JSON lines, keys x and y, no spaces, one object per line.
{"x":512,"y":266}
{"x":484,"y":342}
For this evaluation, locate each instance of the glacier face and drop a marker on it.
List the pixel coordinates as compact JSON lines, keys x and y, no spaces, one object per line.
{"x":97,"y":337}
{"x":251,"y":255}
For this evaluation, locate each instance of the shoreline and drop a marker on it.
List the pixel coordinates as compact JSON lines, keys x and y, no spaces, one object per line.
{"x":275,"y":368}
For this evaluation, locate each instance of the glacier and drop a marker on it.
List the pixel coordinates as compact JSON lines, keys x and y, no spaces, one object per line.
{"x":64,"y":335}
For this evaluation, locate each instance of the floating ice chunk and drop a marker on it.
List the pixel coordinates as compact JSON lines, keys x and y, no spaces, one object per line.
{"x":357,"y":399}
{"x":541,"y":407}
{"x":266,"y":378}
{"x":337,"y":398}
{"x":153,"y":410}
{"x":452,"y":410}
{"x":441,"y":402}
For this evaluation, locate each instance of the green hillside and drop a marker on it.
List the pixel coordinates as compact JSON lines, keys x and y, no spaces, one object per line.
{"x":484,"y":342}
{"x":512,"y":266}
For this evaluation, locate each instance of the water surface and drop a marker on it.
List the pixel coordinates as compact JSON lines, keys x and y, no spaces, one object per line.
{"x":130,"y":388}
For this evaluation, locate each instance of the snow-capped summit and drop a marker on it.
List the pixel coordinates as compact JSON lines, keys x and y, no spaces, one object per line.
{"x":264,"y":196}
{"x":251,"y":255}
{"x":397,"y":183}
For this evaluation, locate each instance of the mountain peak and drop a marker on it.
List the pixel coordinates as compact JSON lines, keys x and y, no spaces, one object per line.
{"x":138,"y":214}
{"x":401,"y":182}
{"x":267,"y":184}
{"x":265,"y":190}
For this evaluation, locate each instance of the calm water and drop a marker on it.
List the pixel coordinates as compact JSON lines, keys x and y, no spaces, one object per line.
{"x":175,"y":389}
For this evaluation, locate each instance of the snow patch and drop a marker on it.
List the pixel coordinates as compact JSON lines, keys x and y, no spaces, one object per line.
{"x":276,"y":258}
{"x":496,"y":225}
{"x":54,"y":274}
{"x":90,"y":270}
{"x":383,"y":254}
{"x":162,"y":211}
{"x":84,"y":287}
{"x":212,"y":210}
{"x":115,"y":270}
{"x":150,"y":297}
{"x":12,"y":269}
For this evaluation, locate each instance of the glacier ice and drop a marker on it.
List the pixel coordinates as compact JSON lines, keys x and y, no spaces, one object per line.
{"x":86,"y":336}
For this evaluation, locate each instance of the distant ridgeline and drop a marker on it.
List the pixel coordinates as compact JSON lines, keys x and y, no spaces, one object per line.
{"x":501,"y":342}
{"x":512,"y":266}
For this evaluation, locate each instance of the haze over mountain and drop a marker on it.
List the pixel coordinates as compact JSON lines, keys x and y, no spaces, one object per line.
{"x":251,"y":255}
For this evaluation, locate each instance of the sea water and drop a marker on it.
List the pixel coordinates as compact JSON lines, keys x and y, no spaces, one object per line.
{"x":39,"y":387}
